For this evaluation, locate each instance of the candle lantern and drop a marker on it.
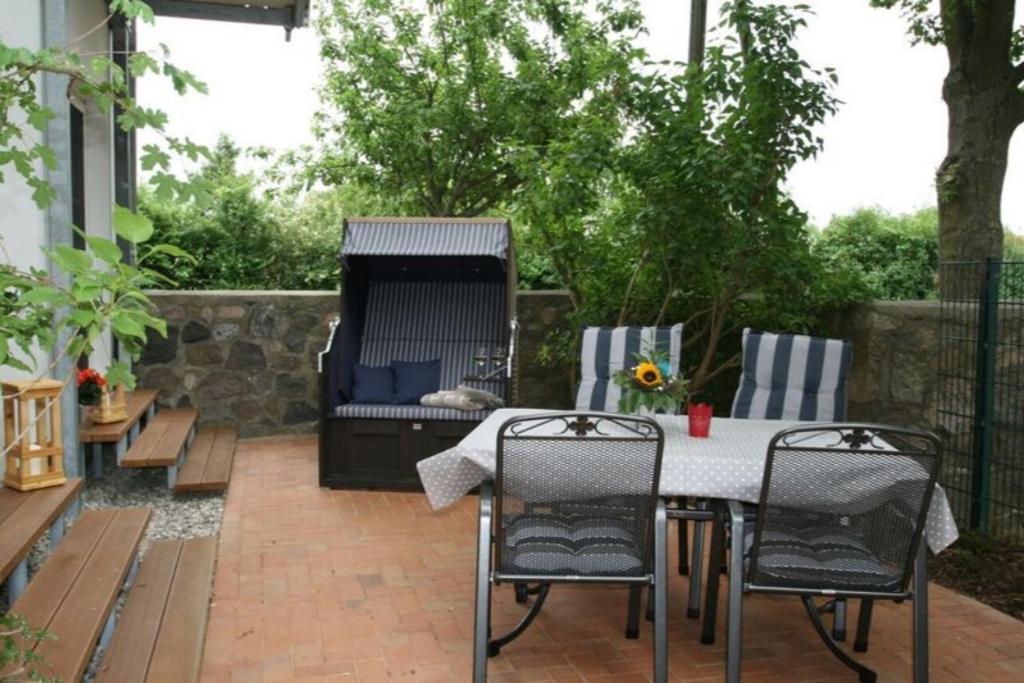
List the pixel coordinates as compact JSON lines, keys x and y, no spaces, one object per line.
{"x":112,"y":407}
{"x":32,"y":434}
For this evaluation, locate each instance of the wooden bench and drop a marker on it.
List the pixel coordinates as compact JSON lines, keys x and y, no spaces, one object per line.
{"x":24,"y":516}
{"x":208,"y":467}
{"x":160,"y":634}
{"x":73,"y":594}
{"x":138,"y":403}
{"x":164,"y":442}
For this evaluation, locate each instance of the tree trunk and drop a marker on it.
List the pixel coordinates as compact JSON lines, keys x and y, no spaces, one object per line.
{"x":985,"y":105}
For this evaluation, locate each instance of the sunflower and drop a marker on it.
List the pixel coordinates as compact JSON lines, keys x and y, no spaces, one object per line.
{"x":648,"y":375}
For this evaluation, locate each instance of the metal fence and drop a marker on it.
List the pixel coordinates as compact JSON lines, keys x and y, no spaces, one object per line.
{"x":981,"y":393}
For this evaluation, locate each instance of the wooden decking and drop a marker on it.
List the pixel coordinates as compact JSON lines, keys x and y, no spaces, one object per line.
{"x":74,"y":592}
{"x":162,"y":443}
{"x":24,"y":517}
{"x":160,"y":634}
{"x":208,"y":467}
{"x":137,"y":403}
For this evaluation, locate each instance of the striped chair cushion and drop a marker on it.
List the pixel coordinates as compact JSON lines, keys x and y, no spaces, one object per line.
{"x":792,"y":377}
{"x":587,"y":546}
{"x":418,"y":321}
{"x":606,"y":350}
{"x":400,"y":412}
{"x":821,"y":558}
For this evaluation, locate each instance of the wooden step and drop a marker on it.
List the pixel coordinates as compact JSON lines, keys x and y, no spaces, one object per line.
{"x":163,"y":442}
{"x":160,"y":634}
{"x":137,"y":404}
{"x":24,"y":516}
{"x":73,"y":593}
{"x":208,"y":466}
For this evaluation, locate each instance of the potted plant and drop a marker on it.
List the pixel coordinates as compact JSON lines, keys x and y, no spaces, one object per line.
{"x":650,"y":386}
{"x":90,"y":392}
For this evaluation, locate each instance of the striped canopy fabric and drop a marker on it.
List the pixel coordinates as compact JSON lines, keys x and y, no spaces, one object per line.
{"x":421,"y":321}
{"x":606,"y":350}
{"x":792,"y":377}
{"x":426,"y":237}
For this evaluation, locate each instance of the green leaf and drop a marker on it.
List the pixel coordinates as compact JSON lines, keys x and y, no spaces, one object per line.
{"x":108,"y":251}
{"x":125,"y":325}
{"x":70,"y":260}
{"x":42,"y":295}
{"x":132,"y":226}
{"x":82,"y":317}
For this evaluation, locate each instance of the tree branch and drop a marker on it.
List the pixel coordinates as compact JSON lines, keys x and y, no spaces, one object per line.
{"x":629,"y":287}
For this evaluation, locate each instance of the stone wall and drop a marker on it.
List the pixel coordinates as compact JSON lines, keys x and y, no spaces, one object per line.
{"x":895,"y":361}
{"x":249,"y":358}
{"x":244,"y":358}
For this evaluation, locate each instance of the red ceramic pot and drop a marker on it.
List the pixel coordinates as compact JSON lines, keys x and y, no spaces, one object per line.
{"x":699,"y":415}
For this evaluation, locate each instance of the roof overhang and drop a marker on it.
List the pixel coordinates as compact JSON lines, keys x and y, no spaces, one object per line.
{"x":287,"y":13}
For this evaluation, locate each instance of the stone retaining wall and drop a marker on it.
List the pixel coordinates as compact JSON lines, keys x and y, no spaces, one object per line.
{"x":249,"y":358}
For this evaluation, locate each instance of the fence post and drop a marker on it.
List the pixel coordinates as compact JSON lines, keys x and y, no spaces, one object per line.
{"x":984,"y":395}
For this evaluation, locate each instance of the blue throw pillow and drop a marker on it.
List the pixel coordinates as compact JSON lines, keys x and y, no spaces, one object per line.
{"x":414,"y":380}
{"x":373,"y":384}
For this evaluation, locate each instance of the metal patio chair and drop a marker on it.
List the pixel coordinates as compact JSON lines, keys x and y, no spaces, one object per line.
{"x":790,"y":377}
{"x":575,"y":499}
{"x":603,"y":352}
{"x":842,"y":514}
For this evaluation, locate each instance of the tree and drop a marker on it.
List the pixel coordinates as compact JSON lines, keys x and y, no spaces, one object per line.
{"x":440,"y":107}
{"x":985,"y":101}
{"x":695,"y":225}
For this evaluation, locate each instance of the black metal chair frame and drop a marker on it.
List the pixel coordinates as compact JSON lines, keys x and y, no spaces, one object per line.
{"x":655,"y":569}
{"x":733,"y":517}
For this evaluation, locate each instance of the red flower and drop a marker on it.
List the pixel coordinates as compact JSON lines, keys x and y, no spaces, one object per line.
{"x":90,"y":376}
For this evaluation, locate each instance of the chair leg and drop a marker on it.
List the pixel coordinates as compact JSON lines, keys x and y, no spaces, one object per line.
{"x":482,"y":619}
{"x":921,"y":614}
{"x":696,"y":563}
{"x":494,"y":646}
{"x":633,"y":615}
{"x":684,"y":542}
{"x":522,"y":592}
{"x":707,"y":635}
{"x":839,"y":620}
{"x":734,"y":644}
{"x":865,"y":674}
{"x":660,"y":589}
{"x":860,"y":643}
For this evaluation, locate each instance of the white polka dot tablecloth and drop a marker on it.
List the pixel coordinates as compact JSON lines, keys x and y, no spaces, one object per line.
{"x":729,"y":464}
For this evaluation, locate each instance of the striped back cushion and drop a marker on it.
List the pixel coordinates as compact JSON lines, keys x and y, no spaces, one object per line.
{"x":606,"y":350}
{"x":792,"y":377}
{"x":418,"y":321}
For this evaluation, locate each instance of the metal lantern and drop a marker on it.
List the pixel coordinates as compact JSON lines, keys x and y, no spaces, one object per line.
{"x":32,"y":434}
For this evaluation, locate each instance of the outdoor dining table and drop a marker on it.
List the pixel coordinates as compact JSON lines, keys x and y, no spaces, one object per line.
{"x":727,"y":465}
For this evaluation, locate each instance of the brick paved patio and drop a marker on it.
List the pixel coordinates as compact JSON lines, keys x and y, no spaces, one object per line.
{"x":318,"y":585}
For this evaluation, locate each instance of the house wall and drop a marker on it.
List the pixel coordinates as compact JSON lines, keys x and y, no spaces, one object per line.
{"x":249,"y":358}
{"x":23,"y":225}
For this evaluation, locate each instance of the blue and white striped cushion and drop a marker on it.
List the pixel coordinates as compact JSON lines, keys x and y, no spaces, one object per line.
{"x":606,"y":350}
{"x":418,"y":321}
{"x":792,"y":377}
{"x":403,"y":412}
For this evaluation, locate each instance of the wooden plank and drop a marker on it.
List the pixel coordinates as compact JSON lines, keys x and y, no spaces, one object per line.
{"x":82,"y":614}
{"x":190,"y":476}
{"x":51,"y":584}
{"x":160,"y":442}
{"x":28,"y":515}
{"x":136,"y":404}
{"x":131,"y":648}
{"x":215,"y":460}
{"x":179,"y":647}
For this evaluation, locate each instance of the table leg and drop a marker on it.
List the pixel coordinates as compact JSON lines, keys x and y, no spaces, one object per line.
{"x":17,"y":582}
{"x":121,"y":448}
{"x":97,"y":460}
{"x":56,"y":531}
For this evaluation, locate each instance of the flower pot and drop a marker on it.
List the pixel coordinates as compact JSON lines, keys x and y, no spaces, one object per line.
{"x":699,"y":417}
{"x":85,"y":415}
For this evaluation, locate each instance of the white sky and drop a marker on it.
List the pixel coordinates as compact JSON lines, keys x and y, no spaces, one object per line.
{"x":881,"y":149}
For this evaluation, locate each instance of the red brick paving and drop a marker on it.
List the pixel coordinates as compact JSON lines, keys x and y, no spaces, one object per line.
{"x":319,"y":585}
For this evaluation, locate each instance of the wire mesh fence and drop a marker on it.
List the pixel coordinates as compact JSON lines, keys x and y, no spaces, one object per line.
{"x":981,"y":393}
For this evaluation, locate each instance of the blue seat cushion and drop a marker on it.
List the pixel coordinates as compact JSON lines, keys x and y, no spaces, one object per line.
{"x":373,"y":384}
{"x":414,"y":380}
{"x":581,"y":546}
